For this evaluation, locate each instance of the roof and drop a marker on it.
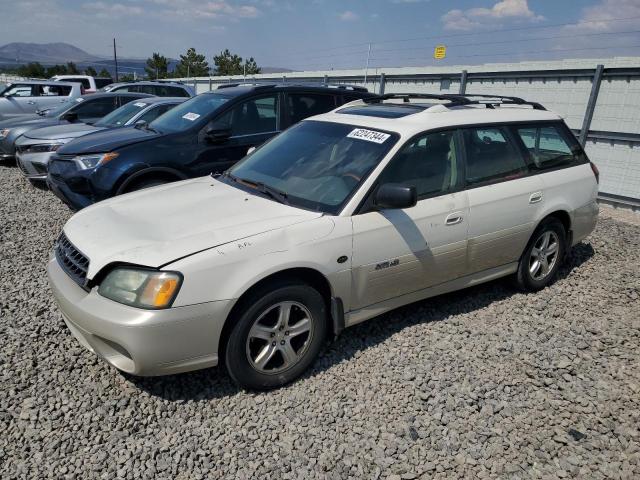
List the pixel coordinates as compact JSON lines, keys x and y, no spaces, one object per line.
{"x":145,"y":96}
{"x":147,"y":82}
{"x":42,"y":82}
{"x":235,"y":89}
{"x":421,"y":116}
{"x":151,"y":100}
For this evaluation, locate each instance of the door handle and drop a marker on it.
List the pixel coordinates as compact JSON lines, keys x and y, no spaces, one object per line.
{"x":453,"y":218}
{"x":535,"y":197}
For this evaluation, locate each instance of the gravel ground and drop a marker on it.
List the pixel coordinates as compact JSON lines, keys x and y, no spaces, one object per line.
{"x":484,"y":383}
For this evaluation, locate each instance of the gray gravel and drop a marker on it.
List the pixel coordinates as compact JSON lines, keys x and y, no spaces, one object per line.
{"x":485,"y":383}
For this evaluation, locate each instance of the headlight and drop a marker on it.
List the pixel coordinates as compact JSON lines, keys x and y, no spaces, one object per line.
{"x":4,"y":133}
{"x":92,"y":161}
{"x":42,"y":148}
{"x":141,"y":288}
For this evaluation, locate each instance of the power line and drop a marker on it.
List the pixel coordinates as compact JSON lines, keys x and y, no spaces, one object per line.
{"x":455,"y":35}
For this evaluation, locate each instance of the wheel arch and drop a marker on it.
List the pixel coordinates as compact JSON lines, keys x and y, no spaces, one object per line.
{"x":151,"y":172}
{"x":310,"y":276}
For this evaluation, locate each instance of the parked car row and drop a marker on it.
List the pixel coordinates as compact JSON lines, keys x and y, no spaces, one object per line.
{"x":274,"y":242}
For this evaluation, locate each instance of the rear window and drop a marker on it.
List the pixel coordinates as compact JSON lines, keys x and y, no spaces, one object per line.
{"x":84,"y":81}
{"x":177,"y":92}
{"x":548,"y":146}
{"x":103,"y":82}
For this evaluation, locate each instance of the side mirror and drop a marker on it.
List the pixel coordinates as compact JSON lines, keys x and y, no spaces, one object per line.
{"x":395,"y":196}
{"x":218,"y":136}
{"x":70,"y":117}
{"x":140,"y":124}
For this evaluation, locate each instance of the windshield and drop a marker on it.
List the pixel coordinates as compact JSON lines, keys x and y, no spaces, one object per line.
{"x":186,"y":115}
{"x":122,"y":115}
{"x":317,"y":165}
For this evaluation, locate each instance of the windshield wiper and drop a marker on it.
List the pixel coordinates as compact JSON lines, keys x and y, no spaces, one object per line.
{"x":277,"y":195}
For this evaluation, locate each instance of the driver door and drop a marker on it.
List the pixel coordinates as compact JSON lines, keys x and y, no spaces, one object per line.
{"x":396,"y":252}
{"x":251,"y":123}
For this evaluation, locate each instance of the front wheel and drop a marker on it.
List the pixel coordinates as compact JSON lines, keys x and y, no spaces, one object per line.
{"x":278,"y":333}
{"x":541,"y":260}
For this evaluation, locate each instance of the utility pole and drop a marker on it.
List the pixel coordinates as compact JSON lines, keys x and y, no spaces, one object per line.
{"x":115,"y":58}
{"x":366,"y":70}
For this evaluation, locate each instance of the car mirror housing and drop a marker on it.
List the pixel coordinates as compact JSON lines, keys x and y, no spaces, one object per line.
{"x":395,"y":196}
{"x":70,"y":117}
{"x":218,"y":135}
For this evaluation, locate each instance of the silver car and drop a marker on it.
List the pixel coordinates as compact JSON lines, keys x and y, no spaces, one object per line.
{"x":29,"y":96}
{"x":86,"y":109}
{"x":34,"y":148}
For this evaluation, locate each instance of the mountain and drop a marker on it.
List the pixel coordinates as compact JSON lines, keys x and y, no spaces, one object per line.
{"x":46,"y":53}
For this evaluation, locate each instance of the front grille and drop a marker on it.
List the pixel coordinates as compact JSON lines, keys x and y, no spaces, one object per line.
{"x":72,"y":260}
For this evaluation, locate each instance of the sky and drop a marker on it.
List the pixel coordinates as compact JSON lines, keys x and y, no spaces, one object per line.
{"x":334,"y":34}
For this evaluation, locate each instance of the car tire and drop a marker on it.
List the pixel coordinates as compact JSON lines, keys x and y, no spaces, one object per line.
{"x":277,"y":333}
{"x":541,"y":259}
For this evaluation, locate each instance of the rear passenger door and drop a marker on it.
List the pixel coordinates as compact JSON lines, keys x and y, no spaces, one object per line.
{"x":504,"y":198}
{"x":396,"y":252}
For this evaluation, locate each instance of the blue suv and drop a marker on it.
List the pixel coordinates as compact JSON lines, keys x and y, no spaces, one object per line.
{"x":206,"y":134}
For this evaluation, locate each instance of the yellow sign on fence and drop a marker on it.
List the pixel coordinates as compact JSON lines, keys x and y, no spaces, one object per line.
{"x":440,"y":52}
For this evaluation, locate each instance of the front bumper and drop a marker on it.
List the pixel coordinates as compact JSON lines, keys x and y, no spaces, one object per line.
{"x":137,"y":341}
{"x":34,"y":165}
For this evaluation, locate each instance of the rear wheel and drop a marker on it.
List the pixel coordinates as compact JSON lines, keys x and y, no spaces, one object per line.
{"x":277,"y":335}
{"x":541,"y":260}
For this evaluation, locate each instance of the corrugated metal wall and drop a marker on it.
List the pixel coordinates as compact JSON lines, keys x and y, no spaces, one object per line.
{"x":562,"y":86}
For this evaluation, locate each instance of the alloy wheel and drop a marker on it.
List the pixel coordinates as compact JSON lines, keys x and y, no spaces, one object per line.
{"x":544,"y":255}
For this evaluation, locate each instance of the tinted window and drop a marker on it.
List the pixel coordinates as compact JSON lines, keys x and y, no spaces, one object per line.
{"x":150,"y":89}
{"x":102,"y":82}
{"x":428,"y":163}
{"x":303,"y":105}
{"x":547,"y":146}
{"x":317,"y":164}
{"x":258,"y":115}
{"x":491,"y":156}
{"x":177,"y":92}
{"x":96,"y":108}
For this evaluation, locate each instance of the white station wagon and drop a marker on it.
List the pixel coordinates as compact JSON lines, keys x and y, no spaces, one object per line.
{"x":340,"y":218}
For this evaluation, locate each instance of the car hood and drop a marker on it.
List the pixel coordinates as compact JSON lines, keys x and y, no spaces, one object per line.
{"x":107,"y":140}
{"x":156,"y":226}
{"x":59,"y":132}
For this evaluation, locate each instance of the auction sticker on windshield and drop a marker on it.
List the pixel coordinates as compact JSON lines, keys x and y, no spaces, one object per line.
{"x":368,"y":135}
{"x":191,"y":116}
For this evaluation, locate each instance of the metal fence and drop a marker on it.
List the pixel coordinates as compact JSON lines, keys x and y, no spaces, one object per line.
{"x":600,"y":104}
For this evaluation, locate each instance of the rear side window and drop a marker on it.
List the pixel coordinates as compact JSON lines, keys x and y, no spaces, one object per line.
{"x":548,"y":147}
{"x":177,"y":92}
{"x":491,"y":156}
{"x":303,"y":105}
{"x":84,"y":81}
{"x":53,"y":90}
{"x":102,"y":82}
{"x":98,"y":108}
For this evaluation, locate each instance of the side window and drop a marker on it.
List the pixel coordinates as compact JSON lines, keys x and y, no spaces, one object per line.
{"x":150,"y":115}
{"x":98,"y":108}
{"x":18,"y":90}
{"x":303,"y":105}
{"x":177,"y":92}
{"x":429,"y":163}
{"x":84,"y":81}
{"x":547,"y":146}
{"x":53,"y":90}
{"x":258,"y":115}
{"x":491,"y":156}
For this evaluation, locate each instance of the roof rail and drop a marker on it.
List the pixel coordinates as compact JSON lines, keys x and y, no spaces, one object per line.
{"x":340,"y":86}
{"x":455,"y":100}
